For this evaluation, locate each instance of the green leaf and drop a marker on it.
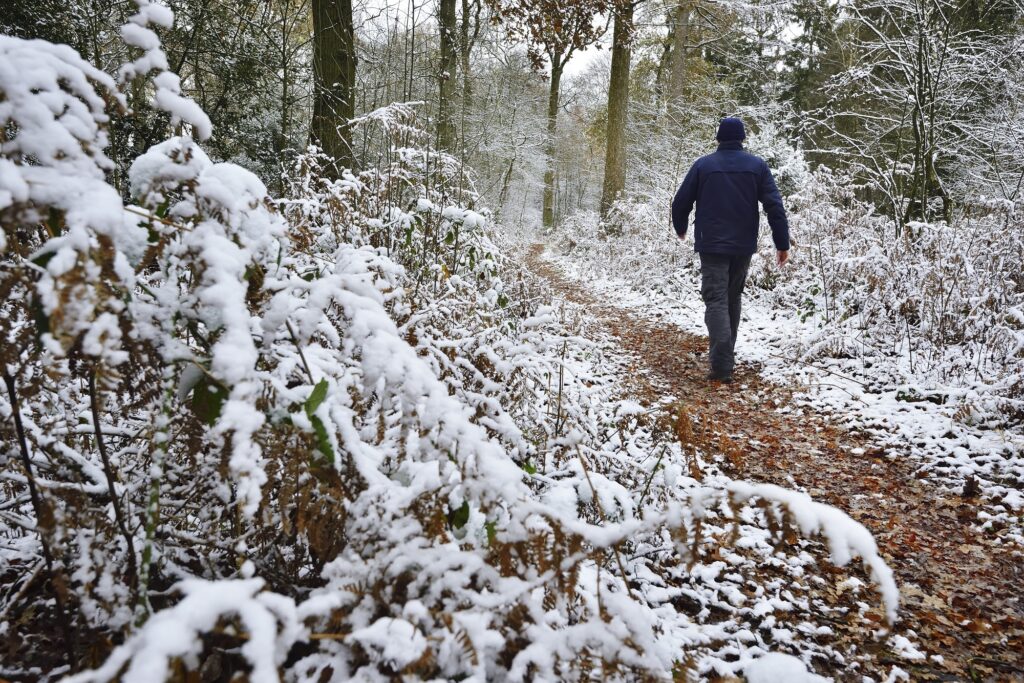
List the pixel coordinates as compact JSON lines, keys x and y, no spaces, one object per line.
{"x":55,"y":222}
{"x":492,"y":532}
{"x":323,"y":443}
{"x":208,"y":400}
{"x":530,"y":469}
{"x":40,"y":318}
{"x":42,"y":259}
{"x":316,"y":397}
{"x":449,"y":238}
{"x":908,"y":395}
{"x":152,"y":236}
{"x":458,"y":518}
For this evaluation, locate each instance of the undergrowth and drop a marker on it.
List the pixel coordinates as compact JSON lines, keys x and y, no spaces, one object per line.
{"x":328,"y":436}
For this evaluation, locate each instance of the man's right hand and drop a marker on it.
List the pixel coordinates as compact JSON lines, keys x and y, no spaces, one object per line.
{"x":782,"y":257}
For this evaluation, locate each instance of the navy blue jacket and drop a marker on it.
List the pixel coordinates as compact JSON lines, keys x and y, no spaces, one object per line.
{"x":727,"y":186}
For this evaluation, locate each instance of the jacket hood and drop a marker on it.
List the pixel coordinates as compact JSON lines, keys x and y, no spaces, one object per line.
{"x":730,"y":128}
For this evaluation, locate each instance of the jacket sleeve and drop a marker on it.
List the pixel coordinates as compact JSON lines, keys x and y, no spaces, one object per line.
{"x":771,"y":200}
{"x":682,"y":205}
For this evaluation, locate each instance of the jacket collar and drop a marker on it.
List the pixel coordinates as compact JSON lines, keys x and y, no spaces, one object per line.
{"x":730,"y":144}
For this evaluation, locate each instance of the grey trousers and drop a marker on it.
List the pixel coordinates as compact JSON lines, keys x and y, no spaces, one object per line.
{"x":722,"y":279}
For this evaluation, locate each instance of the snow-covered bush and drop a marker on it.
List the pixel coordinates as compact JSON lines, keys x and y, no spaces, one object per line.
{"x":939,"y":304}
{"x":332,"y":436}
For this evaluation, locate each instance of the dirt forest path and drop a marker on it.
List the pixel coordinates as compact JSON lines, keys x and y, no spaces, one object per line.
{"x":960,"y":593}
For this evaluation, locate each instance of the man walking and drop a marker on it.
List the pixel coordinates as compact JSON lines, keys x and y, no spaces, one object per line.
{"x":727,"y":186}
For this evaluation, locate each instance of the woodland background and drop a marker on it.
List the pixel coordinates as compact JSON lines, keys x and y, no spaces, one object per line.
{"x":281,"y":398}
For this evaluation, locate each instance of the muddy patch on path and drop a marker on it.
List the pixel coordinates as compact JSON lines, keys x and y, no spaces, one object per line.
{"x":961,"y":595}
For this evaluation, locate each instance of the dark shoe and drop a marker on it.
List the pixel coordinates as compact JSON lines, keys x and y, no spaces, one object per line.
{"x":716,"y":377}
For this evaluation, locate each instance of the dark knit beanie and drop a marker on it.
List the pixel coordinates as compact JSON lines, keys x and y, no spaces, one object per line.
{"x":730,"y":128}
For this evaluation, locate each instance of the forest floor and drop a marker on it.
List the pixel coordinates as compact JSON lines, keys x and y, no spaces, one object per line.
{"x":962,"y":596}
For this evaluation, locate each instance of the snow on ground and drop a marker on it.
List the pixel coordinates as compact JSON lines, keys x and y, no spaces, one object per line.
{"x":779,"y":668}
{"x":915,"y":416}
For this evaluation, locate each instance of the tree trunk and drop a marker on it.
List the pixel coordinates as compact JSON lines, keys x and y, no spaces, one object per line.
{"x":285,"y":92}
{"x":446,"y":76}
{"x":334,"y":75}
{"x":618,"y":109}
{"x":506,"y":183}
{"x":465,"y":48}
{"x":549,"y":152}
{"x":681,"y":42}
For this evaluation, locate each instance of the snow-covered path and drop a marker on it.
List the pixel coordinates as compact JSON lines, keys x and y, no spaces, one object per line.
{"x":962,"y":592}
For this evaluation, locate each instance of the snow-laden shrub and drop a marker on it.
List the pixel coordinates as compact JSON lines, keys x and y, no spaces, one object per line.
{"x":332,"y":436}
{"x":934,"y":301}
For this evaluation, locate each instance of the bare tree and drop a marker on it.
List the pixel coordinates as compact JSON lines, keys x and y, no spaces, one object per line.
{"x":554,"y":31}
{"x":912,"y":110}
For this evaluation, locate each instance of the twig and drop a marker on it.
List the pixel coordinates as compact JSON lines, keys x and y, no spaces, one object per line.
{"x":647,"y":486}
{"x":997,"y":663}
{"x":244,"y":635}
{"x":41,"y":519}
{"x":302,"y":356}
{"x":561,"y":386}
{"x":651,"y":552}
{"x":842,"y":389}
{"x":153,"y":217}
{"x":133,"y":570}
{"x":21,"y":591}
{"x":604,"y":518}
{"x":812,"y":365}
{"x":161,"y":438}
